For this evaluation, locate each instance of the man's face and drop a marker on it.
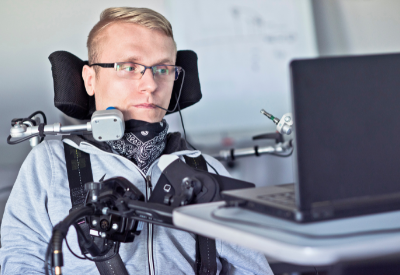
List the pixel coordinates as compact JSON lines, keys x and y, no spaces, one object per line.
{"x":125,"y":42}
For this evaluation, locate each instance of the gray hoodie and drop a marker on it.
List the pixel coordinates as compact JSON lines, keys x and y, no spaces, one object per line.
{"x":41,"y":198}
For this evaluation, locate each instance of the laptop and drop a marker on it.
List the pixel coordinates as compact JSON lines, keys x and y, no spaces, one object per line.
{"x":346,"y":113}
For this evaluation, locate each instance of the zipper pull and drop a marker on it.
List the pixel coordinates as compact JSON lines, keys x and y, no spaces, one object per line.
{"x":149,"y":187}
{"x":148,"y":179}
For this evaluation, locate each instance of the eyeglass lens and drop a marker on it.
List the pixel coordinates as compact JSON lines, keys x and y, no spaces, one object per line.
{"x":135,"y":71}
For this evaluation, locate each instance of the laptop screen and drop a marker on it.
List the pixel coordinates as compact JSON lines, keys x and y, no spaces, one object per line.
{"x":347,"y":127}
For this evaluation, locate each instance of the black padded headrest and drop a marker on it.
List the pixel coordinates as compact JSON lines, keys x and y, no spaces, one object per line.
{"x":70,"y":95}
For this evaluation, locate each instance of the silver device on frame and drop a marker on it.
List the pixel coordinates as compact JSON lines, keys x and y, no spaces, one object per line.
{"x":105,"y":125}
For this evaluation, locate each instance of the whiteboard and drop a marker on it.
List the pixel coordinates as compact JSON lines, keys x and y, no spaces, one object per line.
{"x":244,"y":49}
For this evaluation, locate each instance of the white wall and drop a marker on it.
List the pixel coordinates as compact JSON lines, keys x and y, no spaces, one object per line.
{"x":357,"y":26}
{"x":244,"y":50}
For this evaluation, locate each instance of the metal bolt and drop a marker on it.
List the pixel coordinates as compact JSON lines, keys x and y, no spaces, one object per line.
{"x":104,"y":210}
{"x":103,"y":234}
{"x":117,"y":136}
{"x":96,"y":121}
{"x":167,"y":187}
{"x":94,"y":222}
{"x":115,"y":226}
{"x":115,"y":120}
{"x":104,"y":224}
{"x":100,"y":137}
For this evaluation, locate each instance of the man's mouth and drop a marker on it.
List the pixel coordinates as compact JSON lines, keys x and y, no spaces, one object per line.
{"x":145,"y":105}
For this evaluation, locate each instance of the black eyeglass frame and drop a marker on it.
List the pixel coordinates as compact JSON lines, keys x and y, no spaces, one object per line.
{"x":178,"y":69}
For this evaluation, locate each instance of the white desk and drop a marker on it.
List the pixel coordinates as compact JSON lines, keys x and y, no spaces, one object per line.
{"x":292,"y":248}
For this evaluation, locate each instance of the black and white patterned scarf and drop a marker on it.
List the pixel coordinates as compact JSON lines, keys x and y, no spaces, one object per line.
{"x":142,"y":143}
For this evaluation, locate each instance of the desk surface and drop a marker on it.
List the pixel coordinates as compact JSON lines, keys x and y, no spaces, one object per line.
{"x":285,"y":240}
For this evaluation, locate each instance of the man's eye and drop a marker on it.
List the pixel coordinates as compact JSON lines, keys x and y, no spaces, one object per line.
{"x":126,"y":67}
{"x":163,"y":71}
{"x":130,"y":68}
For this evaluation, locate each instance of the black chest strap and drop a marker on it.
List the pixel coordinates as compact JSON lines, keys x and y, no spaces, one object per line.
{"x":79,"y":171}
{"x":206,"y":251}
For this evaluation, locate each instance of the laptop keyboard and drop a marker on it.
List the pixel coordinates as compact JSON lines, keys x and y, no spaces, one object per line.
{"x":286,"y":198}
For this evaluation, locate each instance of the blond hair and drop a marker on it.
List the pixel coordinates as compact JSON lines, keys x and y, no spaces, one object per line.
{"x":140,"y":16}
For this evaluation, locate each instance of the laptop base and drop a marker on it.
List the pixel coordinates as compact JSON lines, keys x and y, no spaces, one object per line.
{"x":263,"y":200}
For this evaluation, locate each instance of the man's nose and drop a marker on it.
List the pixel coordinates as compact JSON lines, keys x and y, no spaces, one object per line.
{"x":147,"y":82}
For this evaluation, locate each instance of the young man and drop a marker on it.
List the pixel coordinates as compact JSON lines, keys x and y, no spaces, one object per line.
{"x":139,"y":44}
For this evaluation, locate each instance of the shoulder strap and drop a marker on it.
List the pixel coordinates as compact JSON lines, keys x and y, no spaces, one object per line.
{"x":198,"y":162}
{"x":206,"y":251}
{"x":79,"y":170}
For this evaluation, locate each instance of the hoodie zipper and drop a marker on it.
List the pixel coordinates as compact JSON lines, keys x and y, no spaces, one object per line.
{"x":149,"y":229}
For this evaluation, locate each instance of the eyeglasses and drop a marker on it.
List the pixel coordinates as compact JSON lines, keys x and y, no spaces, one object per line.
{"x":130,"y":70}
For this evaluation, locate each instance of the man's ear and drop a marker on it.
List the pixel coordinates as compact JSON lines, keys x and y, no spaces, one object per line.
{"x":89,"y":78}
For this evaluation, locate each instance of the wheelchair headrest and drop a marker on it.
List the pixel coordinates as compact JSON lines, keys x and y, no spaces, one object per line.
{"x":70,"y":95}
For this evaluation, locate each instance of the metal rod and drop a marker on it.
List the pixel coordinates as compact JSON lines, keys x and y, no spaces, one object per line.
{"x":72,"y":128}
{"x":253,"y":151}
{"x":271,"y":117}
